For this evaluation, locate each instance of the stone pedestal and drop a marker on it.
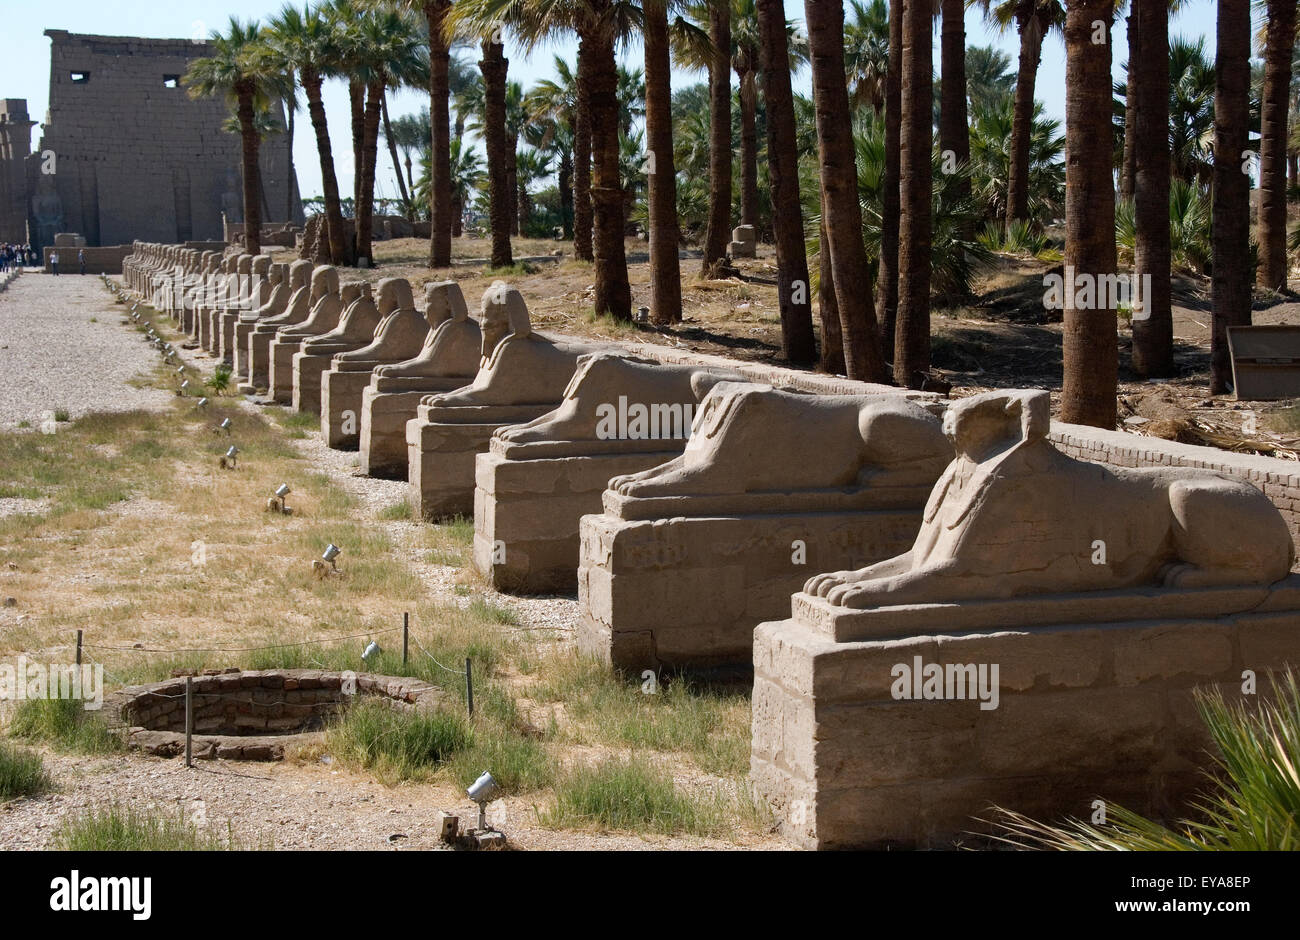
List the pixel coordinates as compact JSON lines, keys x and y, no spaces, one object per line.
{"x":340,"y":407}
{"x":744,"y":242}
{"x":1092,"y":694}
{"x":441,"y":446}
{"x":527,"y":514}
{"x":308,"y":386}
{"x":688,"y":592}
{"x":280,"y":369}
{"x":387,"y":404}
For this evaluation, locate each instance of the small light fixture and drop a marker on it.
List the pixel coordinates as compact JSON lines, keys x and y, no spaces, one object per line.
{"x":276,"y":502}
{"x":483,"y":791}
{"x":201,"y":402}
{"x":225,"y":426}
{"x":180,"y":370}
{"x":331,"y":553}
{"x":643,"y":315}
{"x":372,"y":649}
{"x":185,"y":385}
{"x":232,"y":454}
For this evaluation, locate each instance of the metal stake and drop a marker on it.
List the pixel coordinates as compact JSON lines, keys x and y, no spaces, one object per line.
{"x":189,"y":721}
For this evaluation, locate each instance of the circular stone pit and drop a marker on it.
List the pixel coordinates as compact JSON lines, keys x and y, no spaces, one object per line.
{"x":252,"y":714}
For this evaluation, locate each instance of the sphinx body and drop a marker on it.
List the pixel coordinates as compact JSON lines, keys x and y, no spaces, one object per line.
{"x":356,"y":328}
{"x":327,"y":308}
{"x":308,"y":284}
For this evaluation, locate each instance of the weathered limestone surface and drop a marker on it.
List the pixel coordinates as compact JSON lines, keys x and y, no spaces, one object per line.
{"x":688,"y":557}
{"x":399,"y":336}
{"x":1092,"y":600}
{"x":307,"y":285}
{"x":255,"y":291}
{"x":522,"y":375}
{"x":356,"y":328}
{"x":277,"y":302}
{"x":537,"y":481}
{"x":448,"y":360}
{"x":327,"y":308}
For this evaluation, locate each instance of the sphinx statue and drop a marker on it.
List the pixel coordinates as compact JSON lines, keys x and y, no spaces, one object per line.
{"x":356,"y":328}
{"x":619,"y":415}
{"x":1012,"y":516}
{"x":327,"y":308}
{"x":308,"y":284}
{"x":277,"y":301}
{"x":255,"y":290}
{"x":398,"y":336}
{"x":689,"y":556}
{"x":521,"y":376}
{"x":448,"y":359}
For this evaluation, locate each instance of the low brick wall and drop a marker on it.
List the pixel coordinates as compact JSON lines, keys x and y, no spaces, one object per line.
{"x":107,"y":260}
{"x":1278,"y":479}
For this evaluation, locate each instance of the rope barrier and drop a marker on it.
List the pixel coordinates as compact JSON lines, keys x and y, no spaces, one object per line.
{"x":241,"y":649}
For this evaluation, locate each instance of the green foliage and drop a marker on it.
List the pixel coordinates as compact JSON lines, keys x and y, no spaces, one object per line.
{"x":64,"y":723}
{"x":122,"y":828}
{"x":220,"y":381}
{"x":1189,"y":227}
{"x":990,"y":156}
{"x":397,"y":745}
{"x":22,"y":773}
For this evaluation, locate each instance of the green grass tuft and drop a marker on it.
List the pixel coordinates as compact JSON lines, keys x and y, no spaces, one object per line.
{"x":65,"y":724}
{"x":119,"y":828}
{"x":22,"y":773}
{"x":397,"y":745}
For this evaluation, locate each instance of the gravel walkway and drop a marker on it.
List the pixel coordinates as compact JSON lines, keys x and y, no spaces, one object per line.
{"x":62,"y":347}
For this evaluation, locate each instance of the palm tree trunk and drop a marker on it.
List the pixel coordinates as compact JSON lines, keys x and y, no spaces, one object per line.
{"x":839,"y":190}
{"x":718,"y":234}
{"x":512,"y":179}
{"x":251,"y":171}
{"x":1272,"y":146}
{"x":832,"y":359}
{"x":1153,"y":334}
{"x":798,"y":343}
{"x":613,"y":293}
{"x":954,"y":129}
{"x":357,"y":100}
{"x":566,"y":193}
{"x":338,"y":245}
{"x":665,"y":266}
{"x":887,"y":269}
{"x":1230,"y":280}
{"x":494,"y":66}
{"x":1089,"y":342}
{"x":392,"y":151}
{"x":912,"y":331}
{"x":1031,"y":51}
{"x":749,"y":148}
{"x":369,"y":162}
{"x":410,"y":181}
{"x":582,"y":207}
{"x":441,"y":212}
{"x":1132,"y":97}
{"x":290,"y":111}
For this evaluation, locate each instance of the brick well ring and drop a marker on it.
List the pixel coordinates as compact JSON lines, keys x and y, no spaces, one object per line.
{"x":252,"y":714}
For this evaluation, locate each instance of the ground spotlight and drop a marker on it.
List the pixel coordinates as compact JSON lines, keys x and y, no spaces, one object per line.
{"x":276,"y":502}
{"x":331,"y":552}
{"x":225,"y":426}
{"x":483,"y":791}
{"x":372,"y":649}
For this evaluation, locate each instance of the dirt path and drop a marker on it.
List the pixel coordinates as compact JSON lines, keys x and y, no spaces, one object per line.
{"x":62,"y":348}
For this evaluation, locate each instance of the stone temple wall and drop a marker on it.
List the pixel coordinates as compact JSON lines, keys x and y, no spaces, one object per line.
{"x":133,"y":156}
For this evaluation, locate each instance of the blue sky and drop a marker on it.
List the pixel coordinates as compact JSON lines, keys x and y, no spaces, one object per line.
{"x":25,"y":59}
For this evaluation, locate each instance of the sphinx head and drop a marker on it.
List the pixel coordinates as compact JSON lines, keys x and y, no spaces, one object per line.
{"x":503,"y":313}
{"x":262,"y":265}
{"x":350,"y":293}
{"x":299,"y":274}
{"x":985,"y":425}
{"x":444,"y":301}
{"x":395,"y":294}
{"x":324,"y":281}
{"x":244,"y":265}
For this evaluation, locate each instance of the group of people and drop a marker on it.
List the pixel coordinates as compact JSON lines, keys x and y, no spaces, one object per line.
{"x":16,"y":256}
{"x":81,"y":261}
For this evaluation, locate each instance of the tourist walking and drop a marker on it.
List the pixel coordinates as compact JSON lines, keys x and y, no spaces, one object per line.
{"x":81,"y":259}
{"x":54,"y":263}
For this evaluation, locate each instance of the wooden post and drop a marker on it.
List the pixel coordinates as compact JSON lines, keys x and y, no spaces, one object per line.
{"x":469,"y":686}
{"x":189,"y":721}
{"x":78,"y":647}
{"x":406,"y":635}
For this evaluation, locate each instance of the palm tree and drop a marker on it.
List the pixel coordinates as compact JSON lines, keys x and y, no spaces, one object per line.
{"x":954,"y":122}
{"x":886,"y":308}
{"x":1033,"y":19}
{"x":991,"y":160}
{"x":862,"y":354}
{"x":442,"y":214}
{"x":1278,"y":51}
{"x":912,"y":330}
{"x":388,"y":48}
{"x":798,"y":345}
{"x":1090,"y":345}
{"x":552,"y":106}
{"x":1230,"y":281}
{"x":242,"y":69}
{"x":495,"y":139}
{"x":1191,"y":110}
{"x":1153,"y":334}
{"x":718,"y":233}
{"x":287,"y":88}
{"x":467,"y":178}
{"x":665,"y":267}
{"x":343,"y":16}
{"x":308,"y":39}
{"x":410,"y":133}
{"x":867,"y":49}
{"x":531,"y":165}
{"x":988,"y":76}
